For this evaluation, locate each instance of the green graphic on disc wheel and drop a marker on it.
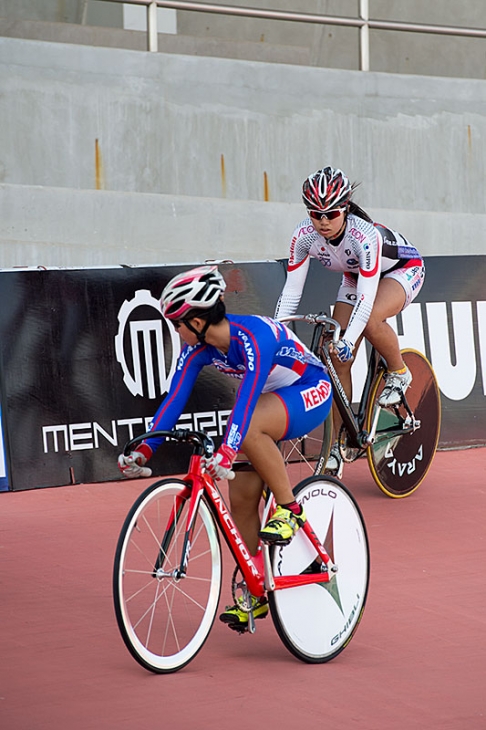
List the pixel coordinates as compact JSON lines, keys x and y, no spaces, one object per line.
{"x":331,"y":586}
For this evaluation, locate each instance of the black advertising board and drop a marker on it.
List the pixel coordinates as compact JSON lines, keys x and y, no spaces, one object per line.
{"x":86,"y":359}
{"x":447,"y":322}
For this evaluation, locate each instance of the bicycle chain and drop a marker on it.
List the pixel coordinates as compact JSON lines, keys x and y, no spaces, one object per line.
{"x":245,"y":604}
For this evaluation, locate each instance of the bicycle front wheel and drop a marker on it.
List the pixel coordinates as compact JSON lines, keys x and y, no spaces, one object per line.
{"x":317,"y":621}
{"x":398,"y":461}
{"x":165,"y":618}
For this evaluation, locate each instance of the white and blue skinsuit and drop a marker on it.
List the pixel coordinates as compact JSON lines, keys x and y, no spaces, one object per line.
{"x":268,"y":358}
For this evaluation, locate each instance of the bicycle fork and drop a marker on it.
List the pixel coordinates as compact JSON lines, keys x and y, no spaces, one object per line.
{"x":180,"y":571}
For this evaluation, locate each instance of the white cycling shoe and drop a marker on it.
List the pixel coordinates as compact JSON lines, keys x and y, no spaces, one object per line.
{"x":395,"y":386}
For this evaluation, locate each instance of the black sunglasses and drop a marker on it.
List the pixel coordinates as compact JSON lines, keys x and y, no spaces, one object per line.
{"x":329,"y":215}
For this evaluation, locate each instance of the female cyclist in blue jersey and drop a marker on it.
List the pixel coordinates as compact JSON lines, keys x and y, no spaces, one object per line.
{"x":284,"y":393}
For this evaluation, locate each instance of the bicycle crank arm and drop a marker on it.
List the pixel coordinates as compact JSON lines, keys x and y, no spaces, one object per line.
{"x":370,"y":439}
{"x":269,"y":581}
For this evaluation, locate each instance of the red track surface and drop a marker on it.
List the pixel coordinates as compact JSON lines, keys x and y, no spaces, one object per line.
{"x":418,"y":659}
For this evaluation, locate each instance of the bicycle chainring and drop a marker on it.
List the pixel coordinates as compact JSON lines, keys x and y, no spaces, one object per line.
{"x":348,"y":453}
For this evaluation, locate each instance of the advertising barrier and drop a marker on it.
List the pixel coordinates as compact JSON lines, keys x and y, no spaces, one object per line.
{"x":87,"y":358}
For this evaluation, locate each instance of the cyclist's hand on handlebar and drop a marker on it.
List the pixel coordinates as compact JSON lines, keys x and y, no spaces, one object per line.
{"x":343,"y":350}
{"x":219,"y":465}
{"x":133,"y":465}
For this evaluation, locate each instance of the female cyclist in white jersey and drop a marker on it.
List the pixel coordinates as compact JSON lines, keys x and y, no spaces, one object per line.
{"x":382,"y":274}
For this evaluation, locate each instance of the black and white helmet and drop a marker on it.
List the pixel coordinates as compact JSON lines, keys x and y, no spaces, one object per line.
{"x":198,"y":288}
{"x":327,"y":189}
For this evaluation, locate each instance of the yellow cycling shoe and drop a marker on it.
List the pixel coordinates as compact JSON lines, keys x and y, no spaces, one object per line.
{"x":237,"y":618}
{"x":282,"y":526}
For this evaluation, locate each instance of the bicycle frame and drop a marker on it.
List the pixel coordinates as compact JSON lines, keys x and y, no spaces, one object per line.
{"x":353,"y":422}
{"x":256,"y":570}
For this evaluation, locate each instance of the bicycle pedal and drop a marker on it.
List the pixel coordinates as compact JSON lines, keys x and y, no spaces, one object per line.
{"x":238,"y":628}
{"x":336,"y":473}
{"x":279,"y":542}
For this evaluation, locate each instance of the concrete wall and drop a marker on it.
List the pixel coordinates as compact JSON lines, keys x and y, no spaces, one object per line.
{"x":166,"y":123}
{"x":186,"y":150}
{"x":95,"y":12}
{"x":281,"y":41}
{"x":338,"y":47}
{"x":61,"y":227}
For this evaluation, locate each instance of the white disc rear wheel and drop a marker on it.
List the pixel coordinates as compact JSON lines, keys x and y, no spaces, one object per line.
{"x":316,"y":622}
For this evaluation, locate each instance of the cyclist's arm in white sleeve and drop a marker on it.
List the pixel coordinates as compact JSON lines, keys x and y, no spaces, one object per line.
{"x":367,"y":286}
{"x":294,"y":286}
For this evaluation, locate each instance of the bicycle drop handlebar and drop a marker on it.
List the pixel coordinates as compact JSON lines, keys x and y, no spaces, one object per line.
{"x":199,"y":439}
{"x":315,"y":319}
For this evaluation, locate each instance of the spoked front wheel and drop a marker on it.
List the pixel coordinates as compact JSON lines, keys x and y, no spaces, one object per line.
{"x":317,"y":621}
{"x":400,"y":461}
{"x":165,"y":617}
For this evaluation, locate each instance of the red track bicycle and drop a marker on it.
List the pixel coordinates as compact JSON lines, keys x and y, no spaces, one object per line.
{"x":168,"y":567}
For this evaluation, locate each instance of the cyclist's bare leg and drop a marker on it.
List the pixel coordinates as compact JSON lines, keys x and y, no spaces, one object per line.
{"x":389,"y":301}
{"x":245,"y":492}
{"x":268,"y":425}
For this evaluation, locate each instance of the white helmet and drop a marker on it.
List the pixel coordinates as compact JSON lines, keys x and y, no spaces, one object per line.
{"x":198,"y":288}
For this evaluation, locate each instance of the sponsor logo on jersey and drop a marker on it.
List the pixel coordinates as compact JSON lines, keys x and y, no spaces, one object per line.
{"x":223,"y":367}
{"x":317,"y":395}
{"x":289,"y":351}
{"x":324,"y":259}
{"x":234,"y":437}
{"x":408,"y":252}
{"x":250,"y":354}
{"x":305,"y":230}
{"x":292,"y":248}
{"x":357,"y":235}
{"x":184,"y":355}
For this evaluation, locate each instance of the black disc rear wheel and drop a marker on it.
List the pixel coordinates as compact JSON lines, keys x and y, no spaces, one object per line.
{"x":400,"y":462}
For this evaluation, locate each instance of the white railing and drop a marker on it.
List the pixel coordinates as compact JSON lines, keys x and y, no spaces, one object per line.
{"x":363,"y":22}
